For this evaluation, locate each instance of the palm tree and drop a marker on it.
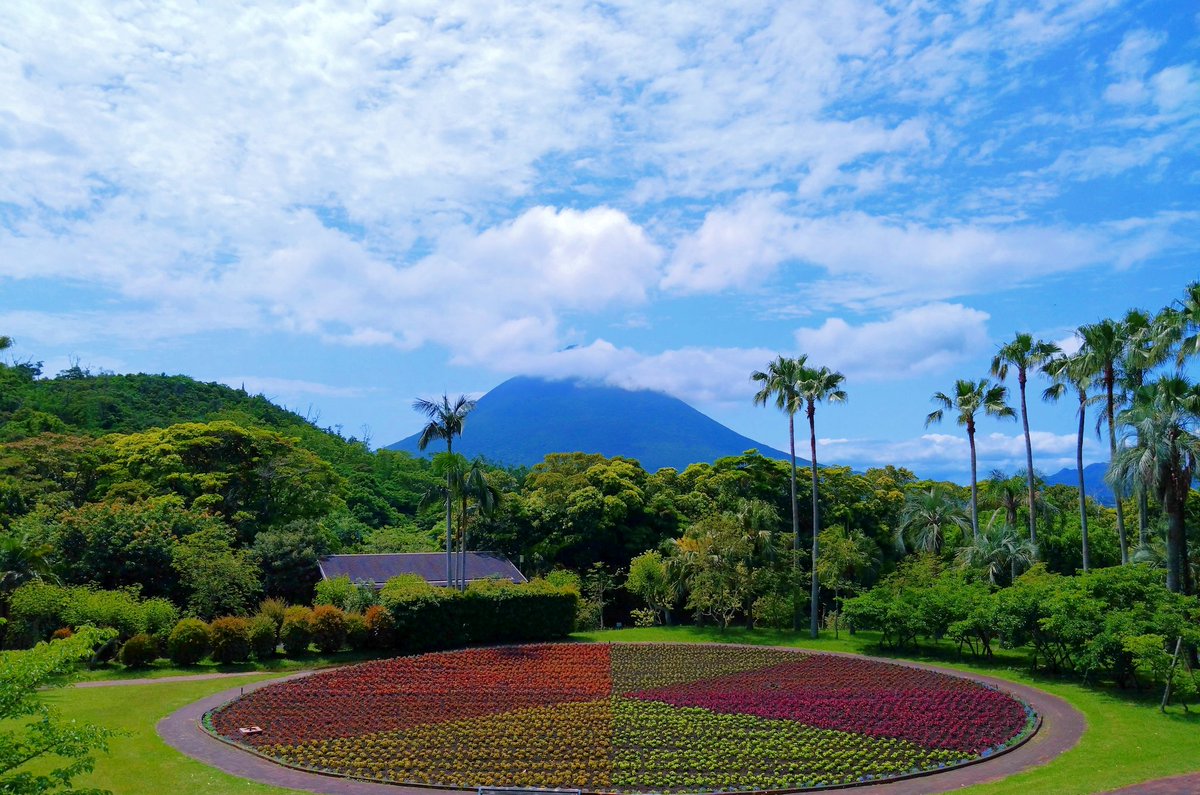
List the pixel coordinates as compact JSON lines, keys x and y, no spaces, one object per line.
{"x":1024,"y":353}
{"x":1073,"y":373}
{"x":446,"y":420}
{"x":1161,"y":452}
{"x":927,"y":516}
{"x":5,"y":343}
{"x":1103,"y":347}
{"x":817,"y":385}
{"x":781,"y":383}
{"x":969,"y":398}
{"x":1146,"y":347}
{"x":474,"y":485}
{"x":997,"y":548}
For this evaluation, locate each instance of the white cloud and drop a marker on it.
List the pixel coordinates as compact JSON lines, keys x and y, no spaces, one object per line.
{"x":927,"y":339}
{"x":946,"y":455}
{"x":873,"y":261}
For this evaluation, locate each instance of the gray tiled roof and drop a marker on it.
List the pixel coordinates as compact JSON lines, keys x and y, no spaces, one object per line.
{"x":429,"y":565}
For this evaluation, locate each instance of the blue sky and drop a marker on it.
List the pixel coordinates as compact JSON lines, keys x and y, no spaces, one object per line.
{"x":344,"y":206}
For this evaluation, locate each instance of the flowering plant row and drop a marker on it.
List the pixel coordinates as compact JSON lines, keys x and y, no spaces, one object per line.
{"x":625,"y":718}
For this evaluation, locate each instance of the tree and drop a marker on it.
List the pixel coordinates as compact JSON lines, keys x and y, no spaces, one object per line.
{"x":1103,"y":347}
{"x":927,"y":516}
{"x":472,"y":485}
{"x":997,"y":548}
{"x":1073,"y":374}
{"x":1146,"y":347}
{"x":1024,"y":353}
{"x":781,"y":384}
{"x":1161,"y":452}
{"x":971,"y":397}
{"x":33,"y":733}
{"x":288,"y":558}
{"x":446,"y":420}
{"x":218,"y":579}
{"x":648,"y":579}
{"x":817,"y":385}
{"x":845,"y":556}
{"x":5,"y":342}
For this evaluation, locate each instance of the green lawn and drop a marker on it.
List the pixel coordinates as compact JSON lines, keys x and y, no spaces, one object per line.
{"x":1127,"y":739}
{"x":163,"y":668}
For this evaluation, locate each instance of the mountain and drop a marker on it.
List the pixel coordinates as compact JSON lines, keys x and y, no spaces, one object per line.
{"x":1093,"y":479}
{"x":523,"y":419}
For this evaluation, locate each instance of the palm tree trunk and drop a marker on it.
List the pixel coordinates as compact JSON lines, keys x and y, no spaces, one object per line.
{"x":1021,"y":379}
{"x":1143,"y":522}
{"x":1109,"y":378}
{"x":816,"y":522}
{"x":1083,"y":528}
{"x":1176,"y":547}
{"x":795,"y":527}
{"x":449,"y":508}
{"x":974,"y":484}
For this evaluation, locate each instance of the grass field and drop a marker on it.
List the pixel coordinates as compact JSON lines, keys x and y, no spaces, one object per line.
{"x":1127,"y":739}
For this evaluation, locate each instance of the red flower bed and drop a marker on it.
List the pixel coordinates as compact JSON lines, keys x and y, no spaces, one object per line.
{"x":861,"y":696}
{"x":632,"y":718}
{"x":392,"y":694}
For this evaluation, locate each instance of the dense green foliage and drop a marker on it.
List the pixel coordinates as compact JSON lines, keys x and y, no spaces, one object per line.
{"x":30,"y":731}
{"x":1093,"y":624}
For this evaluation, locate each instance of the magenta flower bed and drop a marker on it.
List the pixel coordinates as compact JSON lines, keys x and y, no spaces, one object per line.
{"x":863,"y":697}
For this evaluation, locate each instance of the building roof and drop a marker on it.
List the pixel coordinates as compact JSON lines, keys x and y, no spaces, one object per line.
{"x":431,"y":566}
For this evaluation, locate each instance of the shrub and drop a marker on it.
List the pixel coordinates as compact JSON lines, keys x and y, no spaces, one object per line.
{"x":357,"y":636}
{"x":35,"y":610}
{"x":362,"y":597}
{"x":139,"y":651}
{"x":336,"y":591}
{"x":296,"y":633}
{"x":643,"y":617}
{"x":262,"y":637}
{"x":120,"y":610}
{"x":381,"y":627}
{"x":328,"y":625}
{"x":158,"y":617}
{"x":230,"y":639}
{"x":773,"y":610}
{"x":62,"y":633}
{"x":188,"y":642}
{"x":274,"y":610}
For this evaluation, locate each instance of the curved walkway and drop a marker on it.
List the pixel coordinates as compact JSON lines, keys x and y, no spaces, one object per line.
{"x":1062,"y":726}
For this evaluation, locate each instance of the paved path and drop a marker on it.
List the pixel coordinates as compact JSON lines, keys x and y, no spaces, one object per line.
{"x":155,"y":680}
{"x":1062,"y":726}
{"x":1178,"y":785}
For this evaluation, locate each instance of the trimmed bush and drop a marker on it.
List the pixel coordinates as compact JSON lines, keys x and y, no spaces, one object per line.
{"x":357,"y":636}
{"x":139,"y":651}
{"x":296,"y":632}
{"x":429,"y":618}
{"x":158,"y":617}
{"x":230,"y":639}
{"x":35,"y":610}
{"x":273,"y":609}
{"x":62,"y":633}
{"x":328,"y":625}
{"x":189,"y":642}
{"x":381,"y":628}
{"x":262,"y":637}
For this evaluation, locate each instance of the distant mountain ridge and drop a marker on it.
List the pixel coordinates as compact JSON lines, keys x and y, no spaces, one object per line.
{"x":523,"y":419}
{"x":1093,"y":480}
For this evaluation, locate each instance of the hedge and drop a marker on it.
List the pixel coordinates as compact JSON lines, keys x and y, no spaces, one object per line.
{"x":428,"y":618}
{"x":37,"y":609}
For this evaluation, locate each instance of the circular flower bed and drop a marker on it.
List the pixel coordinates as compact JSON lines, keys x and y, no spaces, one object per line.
{"x":626,"y":718}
